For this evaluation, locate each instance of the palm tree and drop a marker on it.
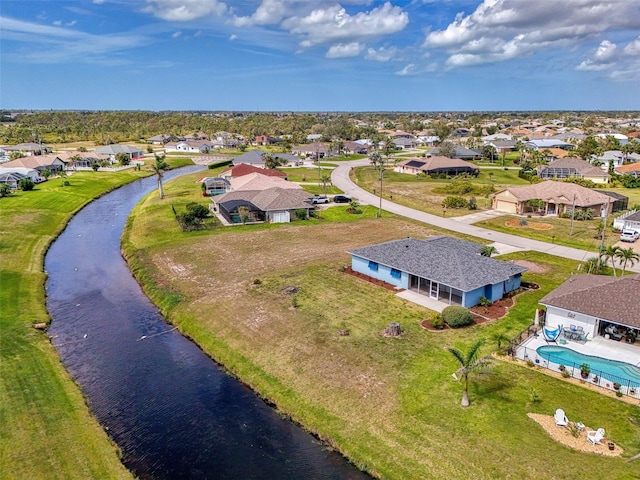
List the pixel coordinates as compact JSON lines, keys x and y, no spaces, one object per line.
{"x":159,"y":168}
{"x":325,"y":180}
{"x":609,"y":254}
{"x":469,"y":364}
{"x":627,"y":256}
{"x":595,"y":265}
{"x":488,"y":250}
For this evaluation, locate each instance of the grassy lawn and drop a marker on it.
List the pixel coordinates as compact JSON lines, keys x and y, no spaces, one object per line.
{"x":422,"y":193}
{"x":583,"y":236}
{"x":365,"y":394}
{"x":305,"y":174}
{"x":47,"y":429}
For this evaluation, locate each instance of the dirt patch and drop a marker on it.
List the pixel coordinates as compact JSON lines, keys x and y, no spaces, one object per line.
{"x":531,"y":266}
{"x":580,"y":443}
{"x":531,"y":225}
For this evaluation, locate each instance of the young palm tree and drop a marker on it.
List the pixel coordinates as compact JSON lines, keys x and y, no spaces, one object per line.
{"x":595,"y":265}
{"x":488,"y":251}
{"x":609,"y":254}
{"x":379,"y":163}
{"x":469,"y":364}
{"x":627,"y":256}
{"x":159,"y":168}
{"x":325,"y":180}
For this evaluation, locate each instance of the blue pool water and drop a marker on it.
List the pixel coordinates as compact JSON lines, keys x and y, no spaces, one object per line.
{"x":610,"y":369}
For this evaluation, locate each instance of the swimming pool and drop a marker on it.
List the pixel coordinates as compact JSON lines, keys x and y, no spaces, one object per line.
{"x":612,"y":370}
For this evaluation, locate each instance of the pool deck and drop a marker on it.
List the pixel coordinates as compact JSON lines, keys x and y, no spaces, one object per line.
{"x":597,"y":347}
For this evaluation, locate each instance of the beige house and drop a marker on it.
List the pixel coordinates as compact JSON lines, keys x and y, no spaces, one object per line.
{"x":557,"y":198}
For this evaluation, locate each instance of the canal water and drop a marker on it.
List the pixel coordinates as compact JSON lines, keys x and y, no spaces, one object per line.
{"x":172,"y":411}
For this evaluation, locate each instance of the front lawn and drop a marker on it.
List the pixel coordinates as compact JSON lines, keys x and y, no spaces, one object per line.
{"x":366,"y":394}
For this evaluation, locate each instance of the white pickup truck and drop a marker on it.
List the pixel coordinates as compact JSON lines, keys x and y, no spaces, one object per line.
{"x":629,"y":236}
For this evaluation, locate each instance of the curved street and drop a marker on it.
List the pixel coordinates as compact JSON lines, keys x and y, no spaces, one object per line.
{"x":340,"y":178}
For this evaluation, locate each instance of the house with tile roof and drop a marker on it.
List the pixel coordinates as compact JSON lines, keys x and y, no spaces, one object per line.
{"x":245,"y":169}
{"x":558,"y":198}
{"x":273,"y":205}
{"x":629,"y":169}
{"x":37,"y":162}
{"x":435,"y":165}
{"x":443,"y":268}
{"x":572,"y":167}
{"x":580,"y":301}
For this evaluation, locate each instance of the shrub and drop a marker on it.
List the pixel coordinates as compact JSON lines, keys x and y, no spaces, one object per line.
{"x":301,"y":213}
{"x":66,"y":183}
{"x":4,"y":190}
{"x":472,"y":204}
{"x":26,"y":184}
{"x":534,"y":396}
{"x":436,"y":322}
{"x":454,"y":202}
{"x":618,"y":393}
{"x":523,"y":222}
{"x":456,"y":316}
{"x":565,"y":373}
{"x":574,"y":429}
{"x":197,"y":210}
{"x":485,"y":302}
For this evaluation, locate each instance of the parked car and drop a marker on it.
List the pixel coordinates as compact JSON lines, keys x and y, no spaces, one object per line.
{"x":341,"y":199}
{"x":319,"y":199}
{"x":629,"y":236}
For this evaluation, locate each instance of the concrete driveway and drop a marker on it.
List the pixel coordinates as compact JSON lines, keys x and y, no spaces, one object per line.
{"x":340,"y":178}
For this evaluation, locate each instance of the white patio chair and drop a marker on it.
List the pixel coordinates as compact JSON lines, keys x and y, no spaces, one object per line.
{"x":595,"y":437}
{"x":560,"y":418}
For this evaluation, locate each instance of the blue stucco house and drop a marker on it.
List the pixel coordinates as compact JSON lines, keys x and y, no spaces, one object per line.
{"x":444,"y":268}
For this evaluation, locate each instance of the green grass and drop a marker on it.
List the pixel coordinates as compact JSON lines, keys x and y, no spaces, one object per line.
{"x":47,"y":430}
{"x":367,"y":395}
{"x":305,"y":174}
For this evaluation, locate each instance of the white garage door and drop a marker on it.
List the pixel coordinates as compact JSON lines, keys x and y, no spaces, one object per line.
{"x":281,"y":217}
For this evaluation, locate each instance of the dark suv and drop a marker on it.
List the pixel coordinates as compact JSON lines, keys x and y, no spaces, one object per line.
{"x":341,"y":199}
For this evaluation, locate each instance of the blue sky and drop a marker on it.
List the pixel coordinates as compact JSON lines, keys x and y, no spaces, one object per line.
{"x":317,"y":55}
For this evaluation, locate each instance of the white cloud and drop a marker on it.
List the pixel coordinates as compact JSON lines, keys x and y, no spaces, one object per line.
{"x":176,"y":34}
{"x":632,"y":48}
{"x":185,"y":10}
{"x":71,"y":23}
{"x":333,"y":24}
{"x":57,"y":23}
{"x":98,"y":2}
{"x":602,"y":59}
{"x":382,"y":54}
{"x":410,"y":69}
{"x":51,"y":44}
{"x":345,"y":50}
{"x":232,"y":37}
{"x":269,"y":12}
{"x":501,"y":30}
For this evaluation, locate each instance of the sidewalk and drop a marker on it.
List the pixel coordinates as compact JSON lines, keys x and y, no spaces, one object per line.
{"x":340,"y":178}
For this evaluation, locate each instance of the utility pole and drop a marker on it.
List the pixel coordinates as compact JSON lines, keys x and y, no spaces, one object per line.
{"x":573,"y":214}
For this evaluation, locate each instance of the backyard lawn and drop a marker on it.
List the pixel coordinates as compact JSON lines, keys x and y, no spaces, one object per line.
{"x":390,"y":404}
{"x":47,"y":429}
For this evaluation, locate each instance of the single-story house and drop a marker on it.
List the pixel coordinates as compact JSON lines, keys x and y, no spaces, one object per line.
{"x":37,"y":162}
{"x":435,"y":165}
{"x":356,"y":148}
{"x":548,"y":143}
{"x":114,"y":149}
{"x":190,"y":146}
{"x":558,"y":198}
{"x":12,"y":179}
{"x":254,"y":157}
{"x":30,"y":173}
{"x":600,"y":304}
{"x":265,"y":140}
{"x":313,"y":150}
{"x":273,"y":205}
{"x":257,"y":181}
{"x":629,"y":169}
{"x":245,"y":169}
{"x":461,"y":152}
{"x":628,"y":221}
{"x":502,"y":146}
{"x":444,"y":268}
{"x":162,"y":139}
{"x":29,"y":148}
{"x":76,"y":159}
{"x":616,"y":157}
{"x":572,"y":167}
{"x":215,"y":186}
{"x":404,"y":143}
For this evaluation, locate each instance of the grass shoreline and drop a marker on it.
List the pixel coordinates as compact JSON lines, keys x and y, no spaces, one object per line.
{"x":293,"y":359}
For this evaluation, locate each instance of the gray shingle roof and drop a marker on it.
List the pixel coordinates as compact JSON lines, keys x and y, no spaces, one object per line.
{"x":268,"y":200}
{"x":446,"y":260}
{"x":609,"y":298}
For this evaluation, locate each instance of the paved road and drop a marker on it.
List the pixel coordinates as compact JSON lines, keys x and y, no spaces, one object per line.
{"x":340,"y":178}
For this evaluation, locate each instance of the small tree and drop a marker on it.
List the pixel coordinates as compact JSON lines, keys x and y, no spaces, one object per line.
{"x":243,"y":211}
{"x":456,"y":316}
{"x":5,"y":190}
{"x":447,"y":149}
{"x":469,"y":364}
{"x":610,"y":254}
{"x":46,"y":173}
{"x":123,"y":159}
{"x":627,"y":256}
{"x":26,"y":184}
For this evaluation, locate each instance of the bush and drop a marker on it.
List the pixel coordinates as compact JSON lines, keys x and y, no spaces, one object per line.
{"x":436,"y":322}
{"x":301,"y":213}
{"x":26,"y":184}
{"x":472,"y":204}
{"x":485,"y":302}
{"x":197,"y":210}
{"x":456,"y":316}
{"x":523,"y":222}
{"x":4,"y":190}
{"x":454,"y":202}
